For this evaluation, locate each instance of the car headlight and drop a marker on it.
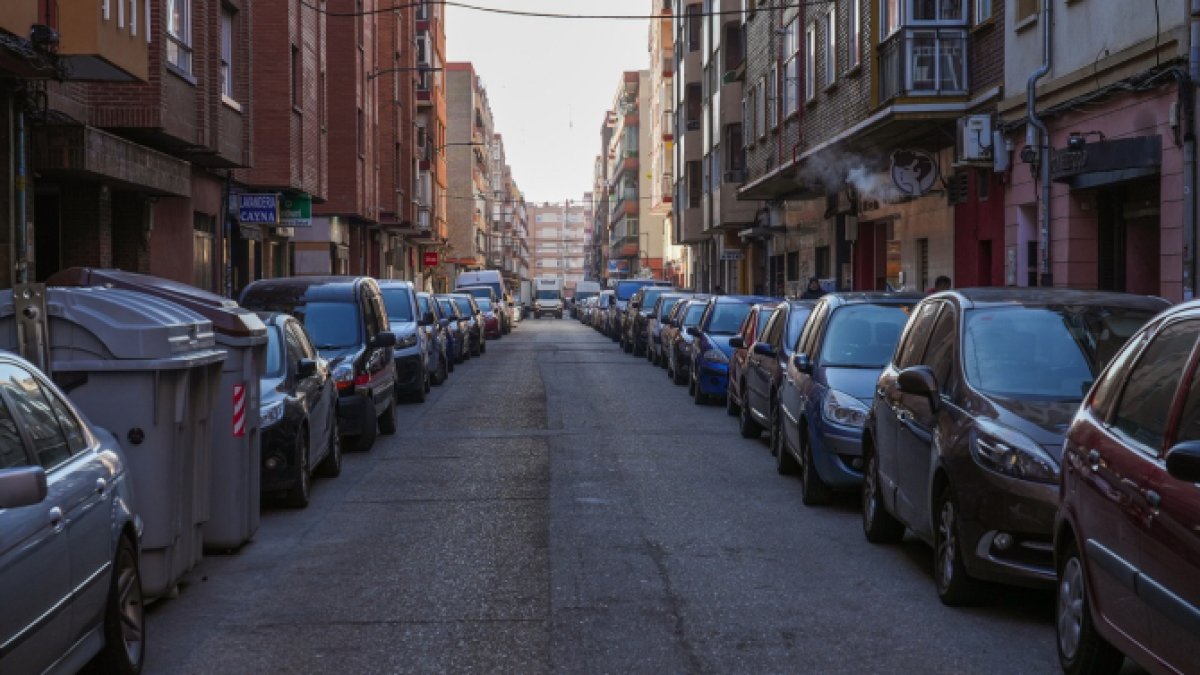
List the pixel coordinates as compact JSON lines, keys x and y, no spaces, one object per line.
{"x":270,"y":414}
{"x":406,"y":341}
{"x":715,"y":355}
{"x":842,"y":408}
{"x":1011,"y":453}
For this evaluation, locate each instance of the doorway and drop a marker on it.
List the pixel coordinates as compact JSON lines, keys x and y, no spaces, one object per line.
{"x":1128,"y":238}
{"x":47,"y":237}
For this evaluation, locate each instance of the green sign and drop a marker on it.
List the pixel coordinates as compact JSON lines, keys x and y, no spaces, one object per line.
{"x":295,"y":210}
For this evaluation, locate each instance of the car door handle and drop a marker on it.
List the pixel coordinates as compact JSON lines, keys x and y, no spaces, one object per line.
{"x":1094,"y":459}
{"x":55,"y":517}
{"x":903,"y":416}
{"x":1152,"y":498}
{"x":101,"y":486}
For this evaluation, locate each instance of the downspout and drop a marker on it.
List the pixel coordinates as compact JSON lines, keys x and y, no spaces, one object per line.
{"x":1188,"y":96}
{"x":20,"y":228}
{"x":1043,"y":140}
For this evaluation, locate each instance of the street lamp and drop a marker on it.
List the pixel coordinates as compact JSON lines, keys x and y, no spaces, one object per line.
{"x":423,"y":69}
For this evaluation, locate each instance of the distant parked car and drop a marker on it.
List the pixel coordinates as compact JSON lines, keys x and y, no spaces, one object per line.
{"x":468,"y":309}
{"x":298,"y":413}
{"x":433,"y":324}
{"x":677,"y":341}
{"x":69,"y":536}
{"x":491,"y":321}
{"x":637,"y":318}
{"x":1127,"y":533}
{"x":827,"y":389}
{"x":412,"y":351}
{"x":347,"y":321}
{"x":602,"y":317}
{"x":497,"y":302}
{"x":752,"y":326}
{"x":623,"y":291}
{"x":658,"y":317}
{"x":457,"y":333}
{"x":710,"y":350}
{"x":967,"y":427}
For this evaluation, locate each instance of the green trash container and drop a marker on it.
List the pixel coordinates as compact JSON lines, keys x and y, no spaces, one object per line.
{"x":147,"y":370}
{"x":235,"y":485}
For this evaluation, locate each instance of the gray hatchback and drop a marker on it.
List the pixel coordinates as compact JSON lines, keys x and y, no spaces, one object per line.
{"x":69,"y":536}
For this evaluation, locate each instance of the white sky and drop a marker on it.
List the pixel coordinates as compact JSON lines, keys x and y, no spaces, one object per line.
{"x":550,"y":81}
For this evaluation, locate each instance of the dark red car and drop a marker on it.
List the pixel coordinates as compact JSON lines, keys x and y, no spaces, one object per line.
{"x":491,"y":322}
{"x":1127,"y":535}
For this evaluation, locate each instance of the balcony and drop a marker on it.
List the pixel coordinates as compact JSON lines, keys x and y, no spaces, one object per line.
{"x":668,"y":125}
{"x":923,"y":62}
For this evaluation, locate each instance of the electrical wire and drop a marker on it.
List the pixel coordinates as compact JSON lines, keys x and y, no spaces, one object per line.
{"x":554,"y":15}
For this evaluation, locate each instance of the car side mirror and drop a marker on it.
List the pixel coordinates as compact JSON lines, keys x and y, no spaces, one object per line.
{"x":1183,"y":461}
{"x":24,"y":486}
{"x":384,"y":339}
{"x":306,"y":368}
{"x":737,"y":342}
{"x":803,"y":363}
{"x":427,"y":319}
{"x":919,"y":381}
{"x":764,"y":349}
{"x":693,"y":331}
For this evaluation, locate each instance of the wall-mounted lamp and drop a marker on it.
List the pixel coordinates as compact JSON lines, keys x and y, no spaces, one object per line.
{"x":1078,"y":139}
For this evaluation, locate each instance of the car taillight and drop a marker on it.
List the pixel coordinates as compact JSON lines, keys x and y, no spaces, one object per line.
{"x":359,"y":381}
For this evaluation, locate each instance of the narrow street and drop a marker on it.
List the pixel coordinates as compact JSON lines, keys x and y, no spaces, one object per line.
{"x":559,"y":506}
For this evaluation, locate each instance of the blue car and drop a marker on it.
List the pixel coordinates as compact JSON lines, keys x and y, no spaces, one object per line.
{"x":710,"y":348}
{"x":434,"y":326}
{"x":828,"y":387}
{"x":456,"y":329}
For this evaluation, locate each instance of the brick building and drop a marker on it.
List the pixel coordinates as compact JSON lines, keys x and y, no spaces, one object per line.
{"x":468,"y":152}
{"x":432,"y":177}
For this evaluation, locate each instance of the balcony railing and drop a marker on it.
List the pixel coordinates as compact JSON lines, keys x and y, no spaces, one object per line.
{"x":923,"y":62}
{"x":668,"y":125}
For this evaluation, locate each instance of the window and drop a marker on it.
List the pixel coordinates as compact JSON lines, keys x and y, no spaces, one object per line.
{"x":179,"y":34}
{"x":12,"y":446}
{"x":760,"y":107}
{"x":1027,"y":9}
{"x":1150,"y":390}
{"x":735,"y":153}
{"x":1189,"y":427}
{"x":694,"y":22}
{"x":939,"y":355}
{"x":773,"y":97}
{"x":812,"y":329}
{"x":810,"y":63}
{"x":422,"y":11}
{"x":749,"y":114}
{"x":889,"y":18}
{"x":203,"y":227}
{"x":917,"y":336}
{"x":983,"y":184}
{"x":694,"y":184}
{"x":297,"y":78}
{"x":226,"y":53}
{"x":983,"y":10}
{"x":35,"y":414}
{"x":854,"y":34}
{"x":937,"y":10}
{"x":831,"y":46}
{"x":791,"y":68}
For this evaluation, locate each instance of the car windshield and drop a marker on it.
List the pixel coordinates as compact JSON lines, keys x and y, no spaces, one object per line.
{"x":650,"y":296}
{"x":692,"y":315}
{"x":727,"y":317}
{"x":626,"y":289}
{"x":547,"y":295}
{"x":796,"y":324}
{"x":464,"y":306}
{"x":863,"y":336}
{"x":1049,"y":352}
{"x":331,"y":325}
{"x":484,"y":304}
{"x":398,"y":303}
{"x":423,"y":304}
{"x":274,"y":366}
{"x":447,"y":307}
{"x":665,"y":310}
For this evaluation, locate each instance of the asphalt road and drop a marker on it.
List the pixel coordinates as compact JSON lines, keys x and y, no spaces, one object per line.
{"x":559,"y":506}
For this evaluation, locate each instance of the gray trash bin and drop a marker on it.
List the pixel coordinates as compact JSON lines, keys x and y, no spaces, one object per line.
{"x":235,"y":485}
{"x":147,"y":370}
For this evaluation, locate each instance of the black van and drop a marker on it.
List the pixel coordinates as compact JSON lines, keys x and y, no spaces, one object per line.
{"x":348,"y":323}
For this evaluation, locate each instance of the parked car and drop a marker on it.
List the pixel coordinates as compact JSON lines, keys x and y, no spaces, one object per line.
{"x":412,"y":352}
{"x":347,"y":321}
{"x":297,"y":413}
{"x":491,"y":321}
{"x":752,"y":326}
{"x":469,"y":310}
{"x":435,"y":328}
{"x":966,"y":430}
{"x":457,"y":334}
{"x":658,"y":317}
{"x":69,"y":536}
{"x":637,"y":318}
{"x":623,"y":291}
{"x":766,"y":364}
{"x":602,"y":317}
{"x":1127,"y":531}
{"x":677,"y":341}
{"x":827,"y":389}
{"x":710,"y":348}
{"x":489,"y":293}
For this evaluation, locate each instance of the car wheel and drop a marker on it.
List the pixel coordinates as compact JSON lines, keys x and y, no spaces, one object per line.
{"x":443,"y":371}
{"x":124,"y":616}
{"x":1080,"y":648}
{"x":785,"y":463}
{"x":428,"y":382}
{"x":366,"y":439}
{"x":298,"y":496}
{"x":813,"y":490}
{"x":482,"y":346}
{"x":676,"y":376}
{"x":954,"y":586}
{"x":331,"y":466}
{"x":731,"y":405}
{"x":387,"y":421}
{"x":879,"y":526}
{"x":698,"y":395}
{"x":747,"y":425}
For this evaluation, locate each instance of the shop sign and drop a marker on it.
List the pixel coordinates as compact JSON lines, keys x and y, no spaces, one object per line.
{"x":296,"y":210}
{"x":1094,"y":164}
{"x":914,"y":171}
{"x":735,"y":254}
{"x":618,"y":266}
{"x":429,"y":258}
{"x":258,"y":208}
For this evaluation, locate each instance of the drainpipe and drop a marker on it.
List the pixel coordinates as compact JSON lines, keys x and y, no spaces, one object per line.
{"x":20,"y":229}
{"x":1046,"y":279}
{"x":1189,"y":152}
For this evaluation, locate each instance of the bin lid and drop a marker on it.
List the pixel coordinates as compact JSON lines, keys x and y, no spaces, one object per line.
{"x":229,"y":319}
{"x":90,"y":324}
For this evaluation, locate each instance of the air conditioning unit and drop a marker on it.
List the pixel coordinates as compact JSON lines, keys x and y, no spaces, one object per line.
{"x":974,"y":139}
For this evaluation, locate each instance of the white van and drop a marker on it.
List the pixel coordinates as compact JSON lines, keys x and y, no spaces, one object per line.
{"x":492,"y":280}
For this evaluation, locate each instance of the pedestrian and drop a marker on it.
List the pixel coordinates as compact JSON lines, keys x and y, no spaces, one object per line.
{"x":942,"y":283}
{"x":813,"y":291}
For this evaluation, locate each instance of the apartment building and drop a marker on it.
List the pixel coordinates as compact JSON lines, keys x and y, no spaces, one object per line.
{"x":509,"y":251}
{"x":560,"y":237}
{"x":1118,"y":109}
{"x":431,"y":168}
{"x":596,"y":255}
{"x":468,"y":153}
{"x":396,"y":81}
{"x":660,"y":151}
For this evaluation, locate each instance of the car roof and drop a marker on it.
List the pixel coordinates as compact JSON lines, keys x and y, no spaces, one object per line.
{"x":309,"y":288}
{"x":975,"y":298}
{"x":395,"y":283}
{"x":751,"y":299}
{"x":862,"y":297}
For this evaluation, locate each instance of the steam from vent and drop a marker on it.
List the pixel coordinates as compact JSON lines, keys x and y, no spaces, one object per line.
{"x":869,"y":184}
{"x":833,"y":172}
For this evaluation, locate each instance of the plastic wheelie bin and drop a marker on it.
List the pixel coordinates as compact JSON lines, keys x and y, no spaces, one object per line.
{"x":147,"y":370}
{"x":235,"y":485}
